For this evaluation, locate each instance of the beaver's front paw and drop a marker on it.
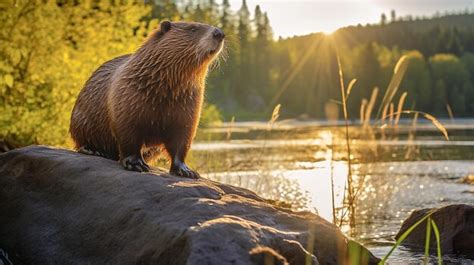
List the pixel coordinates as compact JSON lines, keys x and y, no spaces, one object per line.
{"x":182,"y":170}
{"x":135,"y":163}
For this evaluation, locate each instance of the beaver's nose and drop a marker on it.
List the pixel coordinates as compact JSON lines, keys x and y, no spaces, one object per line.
{"x":218,"y":34}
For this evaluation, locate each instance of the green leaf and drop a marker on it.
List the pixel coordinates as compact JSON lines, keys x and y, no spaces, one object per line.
{"x":8,"y":80}
{"x":15,"y":57}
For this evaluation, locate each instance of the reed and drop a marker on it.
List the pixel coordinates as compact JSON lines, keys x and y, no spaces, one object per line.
{"x":370,"y":106}
{"x":387,"y":112}
{"x":362,"y":111}
{"x":400,"y":107}
{"x":428,"y":117}
{"x":350,"y":191}
{"x":450,"y":112}
{"x":397,"y":77}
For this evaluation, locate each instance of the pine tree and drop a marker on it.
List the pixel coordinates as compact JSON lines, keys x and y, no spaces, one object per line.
{"x":261,"y":59}
{"x":244,"y":53}
{"x":199,"y":14}
{"x":224,"y":84}
{"x":163,"y":9}
{"x":393,"y":16}
{"x":226,"y":20}
{"x":383,"y":19}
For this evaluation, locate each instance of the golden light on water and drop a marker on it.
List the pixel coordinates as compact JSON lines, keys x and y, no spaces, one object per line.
{"x":316,"y":181}
{"x":318,"y":185}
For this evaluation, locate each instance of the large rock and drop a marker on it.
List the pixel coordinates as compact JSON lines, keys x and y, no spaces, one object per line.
{"x":456,"y":227}
{"x":61,"y":207}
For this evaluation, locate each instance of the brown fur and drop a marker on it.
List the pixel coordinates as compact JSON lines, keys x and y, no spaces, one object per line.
{"x":135,"y":104}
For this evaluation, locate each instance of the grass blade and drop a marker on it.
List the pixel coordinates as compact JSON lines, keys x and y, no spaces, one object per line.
{"x":370,"y":106}
{"x":400,"y":107}
{"x":427,"y":240}
{"x":384,"y":115}
{"x":438,"y":242}
{"x":275,"y":113}
{"x":229,"y":130}
{"x":427,"y":116}
{"x":349,"y":87}
{"x":362,"y":111}
{"x":397,"y":77}
{"x":437,"y":124}
{"x":392,"y":113}
{"x":450,"y":112}
{"x":350,"y":191}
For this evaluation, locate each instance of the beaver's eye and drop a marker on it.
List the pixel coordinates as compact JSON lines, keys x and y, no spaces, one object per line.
{"x":193,"y":29}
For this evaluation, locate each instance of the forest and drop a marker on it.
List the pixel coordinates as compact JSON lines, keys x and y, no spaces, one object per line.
{"x":48,"y":49}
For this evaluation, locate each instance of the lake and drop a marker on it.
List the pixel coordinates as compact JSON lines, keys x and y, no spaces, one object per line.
{"x":395,"y":169}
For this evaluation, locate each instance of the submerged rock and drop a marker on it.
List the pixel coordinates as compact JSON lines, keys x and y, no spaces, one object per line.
{"x":456,"y":227}
{"x":61,"y":207}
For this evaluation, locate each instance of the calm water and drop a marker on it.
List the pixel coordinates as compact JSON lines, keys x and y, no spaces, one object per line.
{"x":396,"y":170}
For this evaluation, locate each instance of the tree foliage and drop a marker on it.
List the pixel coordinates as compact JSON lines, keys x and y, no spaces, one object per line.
{"x":47,"y":51}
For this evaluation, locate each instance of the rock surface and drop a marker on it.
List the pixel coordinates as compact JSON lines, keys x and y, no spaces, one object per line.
{"x":455,"y":224}
{"x":61,"y":207}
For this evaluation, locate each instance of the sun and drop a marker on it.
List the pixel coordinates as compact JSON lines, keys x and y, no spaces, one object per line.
{"x":329,"y":29}
{"x":328,"y":32}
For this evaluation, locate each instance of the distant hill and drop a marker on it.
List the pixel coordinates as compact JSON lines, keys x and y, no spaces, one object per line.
{"x":440,"y":76}
{"x":443,"y":34}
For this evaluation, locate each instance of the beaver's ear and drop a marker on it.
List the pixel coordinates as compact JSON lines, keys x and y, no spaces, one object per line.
{"x":165,"y":26}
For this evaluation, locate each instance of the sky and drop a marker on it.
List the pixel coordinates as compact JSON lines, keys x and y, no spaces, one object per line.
{"x":300,"y":17}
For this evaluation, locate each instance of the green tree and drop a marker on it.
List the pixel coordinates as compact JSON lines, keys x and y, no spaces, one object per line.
{"x":244,"y":53}
{"x":163,"y":9}
{"x":417,"y":82}
{"x":226,"y":20}
{"x":223,"y":83}
{"x":366,"y":68}
{"x":468,"y":60}
{"x":45,"y":60}
{"x":199,"y":14}
{"x":212,"y":12}
{"x":383,"y":19}
{"x":393,"y":16}
{"x":450,"y":74}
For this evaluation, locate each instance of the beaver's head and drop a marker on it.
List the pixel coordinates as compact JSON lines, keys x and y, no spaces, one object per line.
{"x":196,"y":43}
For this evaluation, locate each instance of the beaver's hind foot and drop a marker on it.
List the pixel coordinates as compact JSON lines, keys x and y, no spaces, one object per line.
{"x":135,"y":163}
{"x":182,"y":170}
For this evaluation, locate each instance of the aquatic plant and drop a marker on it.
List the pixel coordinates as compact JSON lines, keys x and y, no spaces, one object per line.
{"x":430,"y":225}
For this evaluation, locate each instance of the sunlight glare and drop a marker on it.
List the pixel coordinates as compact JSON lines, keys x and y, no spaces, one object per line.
{"x":318,"y":185}
{"x":328,"y":31}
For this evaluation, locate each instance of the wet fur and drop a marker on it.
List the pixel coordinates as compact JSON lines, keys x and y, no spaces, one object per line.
{"x":138,"y":103}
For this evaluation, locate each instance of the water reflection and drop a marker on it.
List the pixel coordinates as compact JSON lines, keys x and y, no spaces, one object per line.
{"x":303,"y":166}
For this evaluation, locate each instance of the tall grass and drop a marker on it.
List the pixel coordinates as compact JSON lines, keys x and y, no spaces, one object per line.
{"x":397,"y":77}
{"x":350,"y":197}
{"x":386,"y":111}
{"x":387,"y":116}
{"x":450,"y":112}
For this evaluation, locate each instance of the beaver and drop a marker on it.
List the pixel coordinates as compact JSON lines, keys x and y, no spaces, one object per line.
{"x":135,"y":105}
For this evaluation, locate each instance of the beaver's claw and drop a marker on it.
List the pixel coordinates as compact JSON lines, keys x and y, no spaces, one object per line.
{"x":135,"y":163}
{"x":182,"y":170}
